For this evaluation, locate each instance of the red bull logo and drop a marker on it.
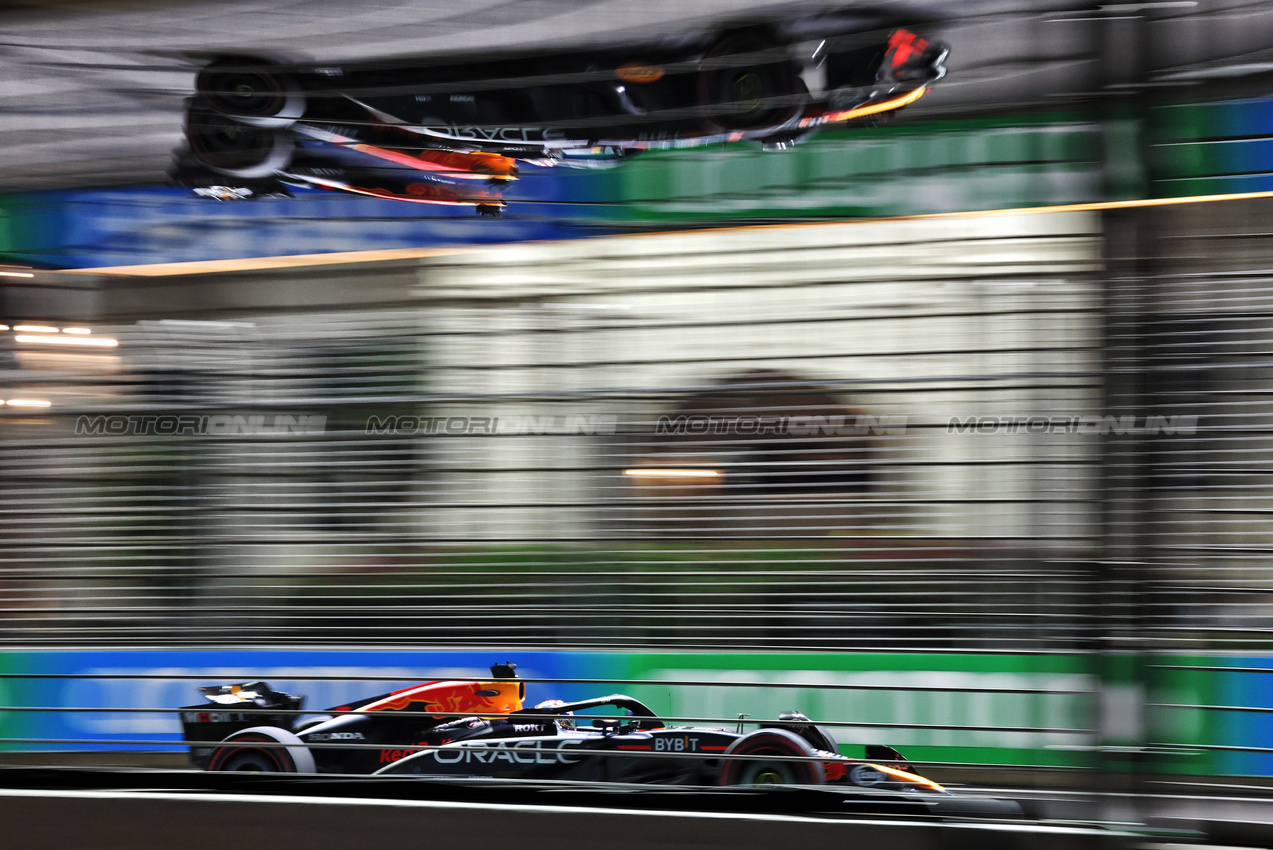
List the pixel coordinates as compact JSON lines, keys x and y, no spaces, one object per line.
{"x":453,"y":698}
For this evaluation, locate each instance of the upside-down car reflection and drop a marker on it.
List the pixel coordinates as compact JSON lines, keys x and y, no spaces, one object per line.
{"x":450,"y":130}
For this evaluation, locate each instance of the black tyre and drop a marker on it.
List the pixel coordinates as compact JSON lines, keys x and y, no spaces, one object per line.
{"x":782,"y":767}
{"x":742,"y":88}
{"x":262,"y":749}
{"x":230,"y":147}
{"x":250,"y":90}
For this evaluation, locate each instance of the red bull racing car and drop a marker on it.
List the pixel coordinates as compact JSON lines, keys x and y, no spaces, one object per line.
{"x":467,"y":729}
{"x":452,"y":129}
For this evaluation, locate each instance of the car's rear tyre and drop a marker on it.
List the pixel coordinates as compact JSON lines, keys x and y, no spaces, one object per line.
{"x":227,"y":146}
{"x":781,"y":768}
{"x":250,"y":90}
{"x":739,"y":92}
{"x":262,"y":749}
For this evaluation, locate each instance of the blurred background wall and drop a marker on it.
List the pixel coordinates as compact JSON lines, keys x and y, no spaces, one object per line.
{"x":817,"y":398}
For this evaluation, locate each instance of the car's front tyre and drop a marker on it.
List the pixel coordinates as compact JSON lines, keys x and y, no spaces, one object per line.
{"x":771,"y":757}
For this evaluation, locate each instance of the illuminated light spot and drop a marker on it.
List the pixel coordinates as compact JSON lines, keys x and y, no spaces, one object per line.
{"x":672,"y":473}
{"x":639,"y":72}
{"x":97,"y":341}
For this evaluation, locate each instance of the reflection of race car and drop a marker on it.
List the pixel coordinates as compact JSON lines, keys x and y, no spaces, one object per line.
{"x":480,"y":729}
{"x":401,"y":130}
{"x":227,"y":160}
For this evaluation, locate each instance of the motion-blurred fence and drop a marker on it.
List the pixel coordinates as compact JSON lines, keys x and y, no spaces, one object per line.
{"x":1037,"y":438}
{"x":812,"y":438}
{"x":994,"y":432}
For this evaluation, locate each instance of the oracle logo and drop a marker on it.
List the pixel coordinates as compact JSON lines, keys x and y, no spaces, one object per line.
{"x":519,"y":752}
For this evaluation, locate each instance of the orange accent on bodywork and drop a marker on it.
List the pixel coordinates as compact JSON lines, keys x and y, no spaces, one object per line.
{"x":907,"y":776}
{"x":453,"y":698}
{"x":835,"y":770}
{"x":478,"y":165}
{"x":868,"y":109}
{"x":639,"y":72}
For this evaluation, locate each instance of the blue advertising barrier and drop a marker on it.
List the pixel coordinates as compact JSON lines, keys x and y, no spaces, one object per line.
{"x":142,"y":710}
{"x":140,"y":225}
{"x":1208,"y":714}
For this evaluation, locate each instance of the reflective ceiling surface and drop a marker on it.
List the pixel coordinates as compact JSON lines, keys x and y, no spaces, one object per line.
{"x":91,"y":92}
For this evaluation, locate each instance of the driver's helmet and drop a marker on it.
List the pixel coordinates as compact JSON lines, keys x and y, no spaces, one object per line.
{"x":563,"y":720}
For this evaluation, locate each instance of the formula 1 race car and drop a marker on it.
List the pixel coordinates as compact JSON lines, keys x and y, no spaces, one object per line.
{"x":465,"y":729}
{"x":451,"y":129}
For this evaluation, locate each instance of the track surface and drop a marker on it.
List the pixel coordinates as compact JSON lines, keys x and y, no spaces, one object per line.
{"x":141,"y":810}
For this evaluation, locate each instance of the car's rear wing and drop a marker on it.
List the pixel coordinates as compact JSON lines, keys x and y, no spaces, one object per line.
{"x":235,"y":707}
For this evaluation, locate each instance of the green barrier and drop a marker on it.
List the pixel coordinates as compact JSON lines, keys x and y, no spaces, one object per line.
{"x":903,"y":169}
{"x":9,"y":696}
{"x":966,"y":708}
